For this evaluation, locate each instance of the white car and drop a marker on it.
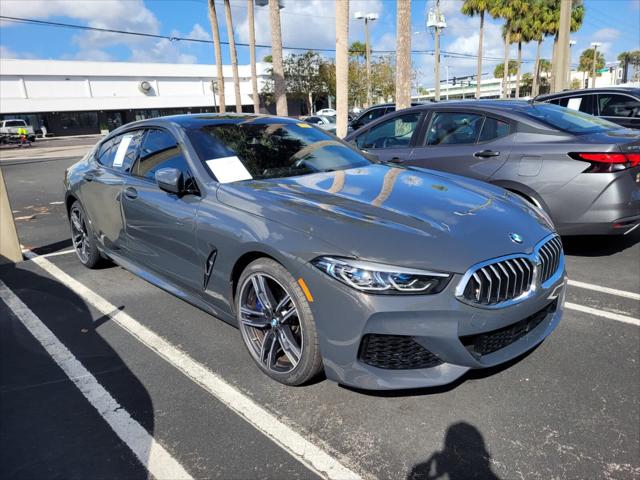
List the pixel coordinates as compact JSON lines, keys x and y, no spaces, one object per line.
{"x":327,"y":111}
{"x":9,"y":129}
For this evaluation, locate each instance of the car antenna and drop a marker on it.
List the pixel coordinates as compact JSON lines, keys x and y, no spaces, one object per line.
{"x":532,"y":100}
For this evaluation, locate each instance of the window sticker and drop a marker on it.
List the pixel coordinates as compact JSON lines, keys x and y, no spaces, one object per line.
{"x":303,"y":125}
{"x":574,"y":103}
{"x":122,"y":150}
{"x":228,"y":169}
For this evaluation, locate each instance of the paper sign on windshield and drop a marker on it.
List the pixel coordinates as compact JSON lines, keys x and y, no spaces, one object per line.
{"x":228,"y":169}
{"x":122,"y":150}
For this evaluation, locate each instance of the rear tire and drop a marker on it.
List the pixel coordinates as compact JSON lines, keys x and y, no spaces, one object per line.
{"x":83,"y":238}
{"x":276,"y":323}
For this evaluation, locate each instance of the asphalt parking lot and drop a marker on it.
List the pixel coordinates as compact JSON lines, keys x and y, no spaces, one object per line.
{"x":103,"y":375}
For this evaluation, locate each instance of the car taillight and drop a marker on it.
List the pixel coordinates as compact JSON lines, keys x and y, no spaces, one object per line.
{"x":608,"y":162}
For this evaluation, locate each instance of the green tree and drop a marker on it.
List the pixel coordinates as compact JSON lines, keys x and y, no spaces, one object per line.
{"x":498,"y":72}
{"x":586,"y":61}
{"x":633,"y":59}
{"x":357,"y":50}
{"x":471,"y":8}
{"x":302,"y":77}
{"x":383,"y":78}
{"x":511,"y":11}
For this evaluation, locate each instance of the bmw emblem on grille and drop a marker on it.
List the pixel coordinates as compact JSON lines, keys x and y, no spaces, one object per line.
{"x":515,"y":238}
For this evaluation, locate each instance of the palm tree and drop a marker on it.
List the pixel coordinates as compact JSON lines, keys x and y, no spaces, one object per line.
{"x":504,"y":9}
{"x":342,"y":67}
{"x":252,"y":55}
{"x":213,"y":18}
{"x":586,"y":61}
{"x":534,"y":30}
{"x":233,"y":54}
{"x":403,"y":54}
{"x":279,"y":85}
{"x":472,"y":8}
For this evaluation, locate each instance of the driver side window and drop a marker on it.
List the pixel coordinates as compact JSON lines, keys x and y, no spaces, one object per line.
{"x":395,"y":132}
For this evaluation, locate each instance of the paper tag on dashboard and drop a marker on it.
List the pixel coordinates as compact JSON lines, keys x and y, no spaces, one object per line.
{"x":574,"y":103}
{"x":228,"y":169}
{"x":122,"y":150}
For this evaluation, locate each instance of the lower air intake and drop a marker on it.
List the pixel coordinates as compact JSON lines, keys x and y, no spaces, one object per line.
{"x":395,"y":352}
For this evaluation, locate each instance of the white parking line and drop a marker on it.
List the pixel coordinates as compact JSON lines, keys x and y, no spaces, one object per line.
{"x":309,"y":454}
{"x":150,"y":453}
{"x":598,"y":288}
{"x":603,"y":313}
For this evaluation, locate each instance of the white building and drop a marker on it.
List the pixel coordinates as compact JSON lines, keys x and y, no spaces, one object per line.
{"x":74,"y":97}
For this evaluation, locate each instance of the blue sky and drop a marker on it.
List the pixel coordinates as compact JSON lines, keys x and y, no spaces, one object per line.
{"x":305,"y":23}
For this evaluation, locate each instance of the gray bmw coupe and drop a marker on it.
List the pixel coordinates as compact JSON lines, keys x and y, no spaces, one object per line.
{"x":384,"y":276}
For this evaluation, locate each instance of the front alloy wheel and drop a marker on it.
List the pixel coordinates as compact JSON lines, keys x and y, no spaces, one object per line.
{"x":277,"y":324}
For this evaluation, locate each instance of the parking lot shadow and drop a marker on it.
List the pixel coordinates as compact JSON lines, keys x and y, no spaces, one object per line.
{"x":48,"y":429}
{"x":599,"y":245}
{"x":463,"y":457}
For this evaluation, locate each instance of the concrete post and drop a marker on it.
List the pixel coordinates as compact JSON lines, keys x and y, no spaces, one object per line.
{"x":9,"y":244}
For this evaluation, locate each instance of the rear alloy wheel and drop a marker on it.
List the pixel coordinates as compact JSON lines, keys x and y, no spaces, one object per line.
{"x":276,"y":323}
{"x":84,"y":241}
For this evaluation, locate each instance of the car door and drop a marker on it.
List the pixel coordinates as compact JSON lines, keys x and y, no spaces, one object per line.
{"x":101,"y":191}
{"x":161,"y":226}
{"x":392,"y":139}
{"x":620,"y":108}
{"x":464,"y":143}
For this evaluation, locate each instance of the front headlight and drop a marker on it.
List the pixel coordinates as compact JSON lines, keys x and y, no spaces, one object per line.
{"x":378,"y":278}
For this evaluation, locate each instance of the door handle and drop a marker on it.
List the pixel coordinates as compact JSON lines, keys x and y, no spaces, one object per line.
{"x":486,"y":154}
{"x":89,"y":176}
{"x":397,"y":160}
{"x":131,"y":193}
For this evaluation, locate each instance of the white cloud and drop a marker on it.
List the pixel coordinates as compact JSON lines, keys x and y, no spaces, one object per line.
{"x":199,"y":33}
{"x":606,"y":34}
{"x":6,"y":52}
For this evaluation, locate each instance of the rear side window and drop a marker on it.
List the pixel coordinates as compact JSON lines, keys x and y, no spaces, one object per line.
{"x":159,"y":150}
{"x":493,"y":129}
{"x":395,"y":132}
{"x":567,"y":120}
{"x":107,"y":152}
{"x":614,"y":105}
{"x":124,"y":150}
{"x":449,"y":128}
{"x":372,"y":115}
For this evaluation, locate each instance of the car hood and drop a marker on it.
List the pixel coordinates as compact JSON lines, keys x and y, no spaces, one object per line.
{"x":401,"y":216}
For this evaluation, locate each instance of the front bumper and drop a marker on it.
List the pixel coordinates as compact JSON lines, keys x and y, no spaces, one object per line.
{"x":440,"y":323}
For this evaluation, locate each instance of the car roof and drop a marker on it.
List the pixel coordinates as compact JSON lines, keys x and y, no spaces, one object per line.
{"x":197,"y":120}
{"x":582,"y":91}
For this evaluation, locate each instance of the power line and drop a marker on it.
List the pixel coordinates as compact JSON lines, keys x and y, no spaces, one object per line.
{"x":47,"y":23}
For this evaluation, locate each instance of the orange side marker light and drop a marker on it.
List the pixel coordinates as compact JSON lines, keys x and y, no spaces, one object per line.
{"x":305,"y":289}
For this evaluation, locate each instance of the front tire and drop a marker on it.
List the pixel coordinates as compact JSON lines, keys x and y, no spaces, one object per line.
{"x":84,"y":241}
{"x":276,"y":323}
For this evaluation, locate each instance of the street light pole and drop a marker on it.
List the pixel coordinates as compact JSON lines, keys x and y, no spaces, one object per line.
{"x":571,"y":44}
{"x":435,"y":21}
{"x":369,"y":17}
{"x":595,"y":46}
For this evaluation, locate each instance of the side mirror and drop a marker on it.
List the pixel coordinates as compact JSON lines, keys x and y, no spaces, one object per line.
{"x":170,"y":180}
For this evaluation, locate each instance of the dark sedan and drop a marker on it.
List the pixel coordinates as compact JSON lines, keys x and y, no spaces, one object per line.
{"x":383,"y":276}
{"x":619,"y":105}
{"x":582,"y":170}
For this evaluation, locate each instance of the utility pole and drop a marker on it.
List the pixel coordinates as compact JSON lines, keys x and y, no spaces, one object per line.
{"x":595,"y":46}
{"x":562,"y":51}
{"x":369,"y":17}
{"x":436,"y":22}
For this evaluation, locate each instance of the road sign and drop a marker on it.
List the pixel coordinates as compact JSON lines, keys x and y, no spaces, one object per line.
{"x":602,"y":70}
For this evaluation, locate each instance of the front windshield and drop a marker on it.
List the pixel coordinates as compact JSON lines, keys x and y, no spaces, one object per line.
{"x":275,"y":150}
{"x":568,"y":120}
